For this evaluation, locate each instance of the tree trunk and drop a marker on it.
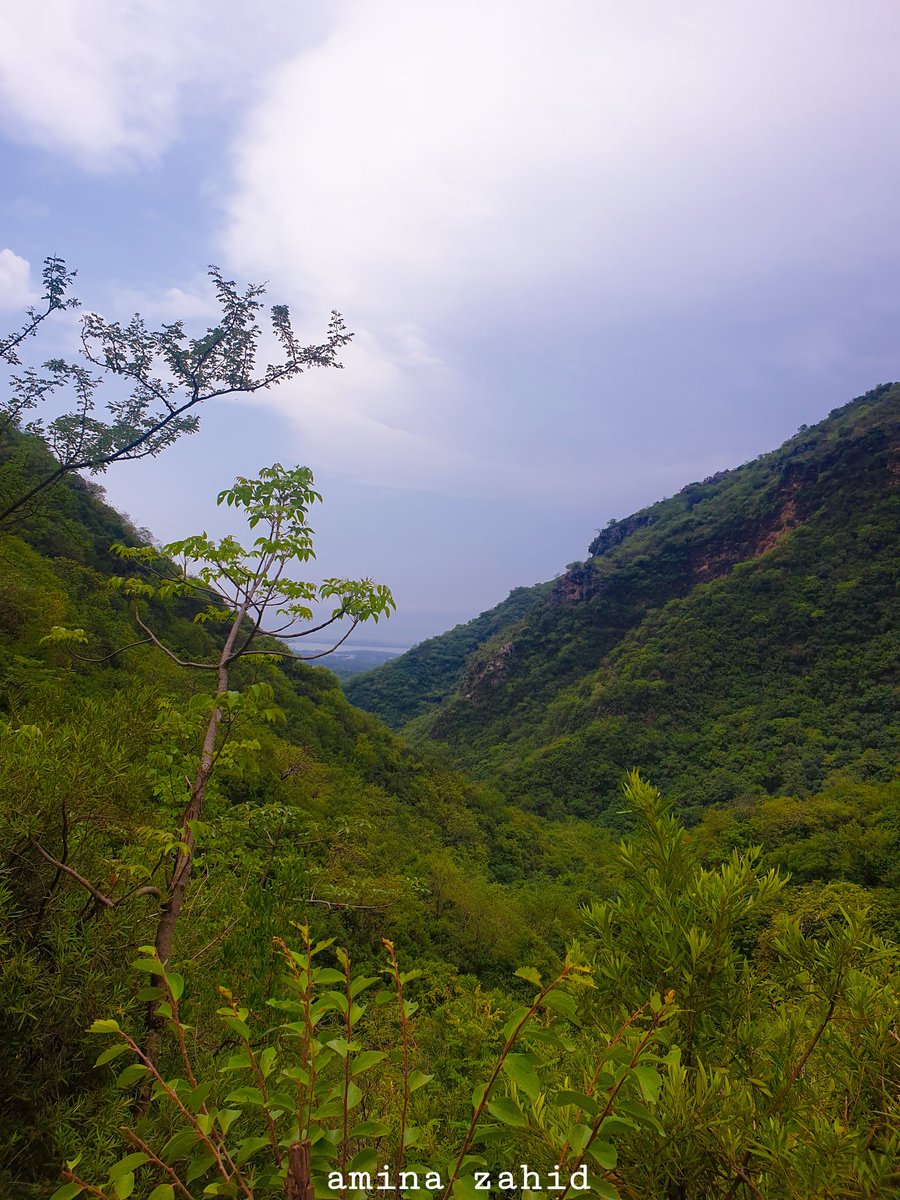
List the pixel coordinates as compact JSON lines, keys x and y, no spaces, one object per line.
{"x":184,"y":861}
{"x":298,"y":1181}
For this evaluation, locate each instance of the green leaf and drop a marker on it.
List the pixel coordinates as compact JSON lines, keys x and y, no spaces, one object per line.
{"x":530,"y":975}
{"x":113,"y":1052}
{"x":197,"y":1098}
{"x":236,"y":1025}
{"x":577,"y":1136}
{"x":248,"y":1146}
{"x":514,"y":1018}
{"x":178,"y":1145}
{"x":365,"y":1160}
{"x":287,"y":1005}
{"x":649,"y":1081}
{"x":604,"y":1154}
{"x":641,"y":1115}
{"x":578,"y":1099}
{"x":562,"y":1002}
{"x":107,"y":1026}
{"x":368,"y":1058}
{"x":267,"y":1061}
{"x":332,"y":1108}
{"x":618,"y":1125}
{"x":520,"y":1069}
{"x":236,"y":1062}
{"x":225,"y":1118}
{"x":68,"y":1191}
{"x":131,"y":1075}
{"x":322,"y":975}
{"x":176,"y":984}
{"x":464,"y":1189}
{"x":374,"y":1129}
{"x":335,"y":1000}
{"x":418,"y":1079}
{"x":124,"y":1186}
{"x":360,"y":983}
{"x":507,"y":1111}
{"x":199,"y":1166}
{"x":163,"y":1191}
{"x":245,"y":1095}
{"x":152,"y":966}
{"x":128,"y":1163}
{"x":490,"y":1133}
{"x":150,"y":993}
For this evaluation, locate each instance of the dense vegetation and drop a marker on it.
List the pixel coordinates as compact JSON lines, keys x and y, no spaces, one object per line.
{"x":399,"y":965}
{"x":326,"y":817}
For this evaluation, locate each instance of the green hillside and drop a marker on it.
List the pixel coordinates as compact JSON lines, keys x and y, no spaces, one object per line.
{"x":329,"y":819}
{"x":736,"y":640}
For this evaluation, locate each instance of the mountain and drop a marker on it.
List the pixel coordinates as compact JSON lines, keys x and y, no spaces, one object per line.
{"x":736,"y":640}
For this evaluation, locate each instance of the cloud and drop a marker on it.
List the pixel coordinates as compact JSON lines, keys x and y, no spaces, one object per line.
{"x":471,"y":178}
{"x":194,"y":303}
{"x":16,"y":289}
{"x":111,"y":84}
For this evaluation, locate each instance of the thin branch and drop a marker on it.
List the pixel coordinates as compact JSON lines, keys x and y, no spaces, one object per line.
{"x":112,"y":653}
{"x":157,"y":1162}
{"x":337,"y":644}
{"x":103,"y":901}
{"x":165,"y":649}
{"x":302,"y":632}
{"x":329,"y":904}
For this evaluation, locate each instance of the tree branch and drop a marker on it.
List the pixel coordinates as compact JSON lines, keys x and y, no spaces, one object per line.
{"x":103,"y":901}
{"x":151,"y":636}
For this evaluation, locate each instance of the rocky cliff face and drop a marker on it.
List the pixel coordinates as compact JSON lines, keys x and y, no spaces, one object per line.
{"x":617,"y":531}
{"x":485,"y":673}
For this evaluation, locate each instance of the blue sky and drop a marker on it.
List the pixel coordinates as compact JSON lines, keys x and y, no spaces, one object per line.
{"x":591,"y":250}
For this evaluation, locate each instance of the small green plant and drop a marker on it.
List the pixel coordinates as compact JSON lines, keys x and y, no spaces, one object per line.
{"x":318,"y":1112}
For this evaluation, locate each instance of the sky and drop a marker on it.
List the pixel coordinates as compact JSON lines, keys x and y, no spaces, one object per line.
{"x":591,"y":250}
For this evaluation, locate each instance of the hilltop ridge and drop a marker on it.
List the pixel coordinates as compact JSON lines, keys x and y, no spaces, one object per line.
{"x":700,"y":622}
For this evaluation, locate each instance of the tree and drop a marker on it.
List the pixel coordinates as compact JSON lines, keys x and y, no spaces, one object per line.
{"x":245,"y":591}
{"x":169,"y":376}
{"x":57,"y":280}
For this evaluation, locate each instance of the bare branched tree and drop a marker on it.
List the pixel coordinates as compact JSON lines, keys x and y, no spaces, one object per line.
{"x":168,"y":375}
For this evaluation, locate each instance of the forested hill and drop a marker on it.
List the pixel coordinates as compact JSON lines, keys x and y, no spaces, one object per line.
{"x":735,"y":640}
{"x":322,"y":816}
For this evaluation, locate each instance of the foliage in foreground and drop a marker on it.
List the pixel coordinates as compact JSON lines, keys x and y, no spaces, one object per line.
{"x":698,"y":1043}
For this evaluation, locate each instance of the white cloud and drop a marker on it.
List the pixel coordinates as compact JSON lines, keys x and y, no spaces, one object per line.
{"x":194,"y":303}
{"x":108,"y":82}
{"x":16,"y":290}
{"x":444,"y":169}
